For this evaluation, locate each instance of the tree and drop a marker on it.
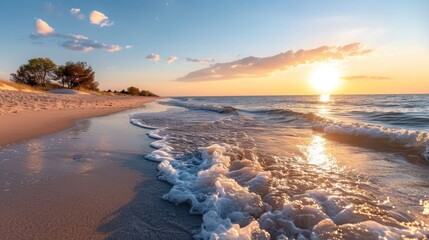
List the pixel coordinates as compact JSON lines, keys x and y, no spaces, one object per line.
{"x":77,"y":75}
{"x":38,"y":71}
{"x":146,"y":93}
{"x":133,"y":91}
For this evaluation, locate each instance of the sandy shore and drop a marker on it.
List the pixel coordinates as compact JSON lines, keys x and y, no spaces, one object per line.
{"x":25,"y":115}
{"x":88,"y":182}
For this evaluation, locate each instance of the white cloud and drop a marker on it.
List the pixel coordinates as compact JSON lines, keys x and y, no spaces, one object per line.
{"x":43,"y":27}
{"x":128,"y":46}
{"x":171,"y":59}
{"x":98,"y":18}
{"x":113,"y":48}
{"x":73,"y":42}
{"x":263,"y":66}
{"x":77,"y":13}
{"x":153,"y":57}
{"x":201,"y":61}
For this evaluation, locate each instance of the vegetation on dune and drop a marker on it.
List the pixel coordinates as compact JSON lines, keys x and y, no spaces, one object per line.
{"x":76,"y":75}
{"x":44,"y":74}
{"x":37,"y":71}
{"x":136,"y":92}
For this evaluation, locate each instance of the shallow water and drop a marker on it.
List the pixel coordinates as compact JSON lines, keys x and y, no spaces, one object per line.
{"x":354,"y":167}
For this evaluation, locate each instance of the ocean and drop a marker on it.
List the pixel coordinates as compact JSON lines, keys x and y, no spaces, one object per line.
{"x":296,"y":167}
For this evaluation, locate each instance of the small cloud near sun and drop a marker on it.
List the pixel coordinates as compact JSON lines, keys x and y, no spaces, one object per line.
{"x":153,"y":57}
{"x":99,"y":18}
{"x":171,"y":59}
{"x":365,"y":78}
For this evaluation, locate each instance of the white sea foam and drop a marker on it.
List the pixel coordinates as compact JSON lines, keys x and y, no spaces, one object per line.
{"x":228,"y":195}
{"x":139,"y":123}
{"x":155,"y":134}
{"x":159,"y":156}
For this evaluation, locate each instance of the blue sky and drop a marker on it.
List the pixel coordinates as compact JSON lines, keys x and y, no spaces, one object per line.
{"x":221,"y":30}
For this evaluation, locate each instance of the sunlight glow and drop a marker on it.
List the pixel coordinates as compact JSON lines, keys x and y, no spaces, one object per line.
{"x":324,"y":98}
{"x":325,"y":79}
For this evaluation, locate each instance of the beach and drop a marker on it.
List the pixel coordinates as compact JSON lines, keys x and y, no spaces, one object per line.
{"x":25,"y":115}
{"x":75,"y":177}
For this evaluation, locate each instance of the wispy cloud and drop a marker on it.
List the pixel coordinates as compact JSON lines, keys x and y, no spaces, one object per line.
{"x":153,"y":57}
{"x":258,"y":67}
{"x":365,"y":77}
{"x":72,"y":41}
{"x":99,"y":18}
{"x":201,"y":61}
{"x":171,"y":59}
{"x":43,"y":27}
{"x":77,"y":13}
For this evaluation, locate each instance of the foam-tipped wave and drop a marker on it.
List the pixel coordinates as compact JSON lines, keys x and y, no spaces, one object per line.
{"x":203,"y":107}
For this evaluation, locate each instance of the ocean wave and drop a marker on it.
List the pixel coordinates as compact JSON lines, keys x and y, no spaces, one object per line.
{"x":203,"y":107}
{"x":404,"y":137}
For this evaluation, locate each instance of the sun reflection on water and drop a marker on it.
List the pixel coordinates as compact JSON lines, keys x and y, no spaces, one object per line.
{"x":324,"y":98}
{"x":318,"y":155}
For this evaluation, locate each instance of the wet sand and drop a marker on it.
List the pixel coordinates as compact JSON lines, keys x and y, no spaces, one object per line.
{"x":88,"y":182}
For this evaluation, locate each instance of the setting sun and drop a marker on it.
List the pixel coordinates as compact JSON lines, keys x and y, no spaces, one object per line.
{"x":325,"y":79}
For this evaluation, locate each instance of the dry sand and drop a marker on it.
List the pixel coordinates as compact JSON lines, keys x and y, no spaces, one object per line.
{"x":25,"y":115}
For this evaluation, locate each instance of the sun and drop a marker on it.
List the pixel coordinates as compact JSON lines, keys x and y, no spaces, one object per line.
{"x":325,"y":79}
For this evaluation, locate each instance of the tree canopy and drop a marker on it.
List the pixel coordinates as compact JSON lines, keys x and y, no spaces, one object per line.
{"x":76,"y":75}
{"x":37,"y":71}
{"x":133,"y":91}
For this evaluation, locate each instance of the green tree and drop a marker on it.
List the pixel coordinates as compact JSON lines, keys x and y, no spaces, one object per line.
{"x":37,"y":71}
{"x":133,"y":91}
{"x":77,"y":75}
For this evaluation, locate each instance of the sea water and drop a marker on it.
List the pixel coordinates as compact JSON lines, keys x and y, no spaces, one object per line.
{"x":297,"y":167}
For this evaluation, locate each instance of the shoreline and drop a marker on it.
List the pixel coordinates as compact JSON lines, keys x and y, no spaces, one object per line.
{"x":90,"y":182}
{"x":21,"y":124}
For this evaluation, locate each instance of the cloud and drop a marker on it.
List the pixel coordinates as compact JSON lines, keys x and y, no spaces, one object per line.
{"x":171,"y":59}
{"x":365,"y":77}
{"x":77,"y":13}
{"x":250,"y":67}
{"x":202,"y":61}
{"x":153,"y":57}
{"x":72,"y":41}
{"x":87,"y":45}
{"x":98,"y":18}
{"x":128,"y":46}
{"x":43,"y":27}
